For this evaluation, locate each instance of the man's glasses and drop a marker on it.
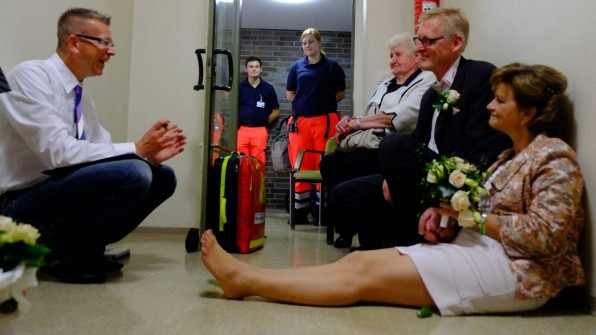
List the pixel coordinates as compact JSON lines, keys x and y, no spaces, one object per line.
{"x":426,"y":42}
{"x":105,"y":43}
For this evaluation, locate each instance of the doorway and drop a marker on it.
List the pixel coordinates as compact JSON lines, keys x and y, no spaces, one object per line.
{"x":272,"y":33}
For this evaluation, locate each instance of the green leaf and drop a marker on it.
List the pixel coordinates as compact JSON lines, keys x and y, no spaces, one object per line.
{"x":424,"y":312}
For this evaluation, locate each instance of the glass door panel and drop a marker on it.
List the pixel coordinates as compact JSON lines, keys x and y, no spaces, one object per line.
{"x":221,"y":86}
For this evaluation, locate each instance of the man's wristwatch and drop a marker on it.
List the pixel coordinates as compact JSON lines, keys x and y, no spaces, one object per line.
{"x":358,"y":122}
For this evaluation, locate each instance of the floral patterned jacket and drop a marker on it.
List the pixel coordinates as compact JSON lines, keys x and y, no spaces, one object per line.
{"x":538,"y":200}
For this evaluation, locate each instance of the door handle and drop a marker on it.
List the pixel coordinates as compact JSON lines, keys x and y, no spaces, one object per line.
{"x":199,"y":86}
{"x":228,"y":53}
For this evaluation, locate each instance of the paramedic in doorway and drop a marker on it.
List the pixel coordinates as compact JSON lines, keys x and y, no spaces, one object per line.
{"x":257,"y":108}
{"x":315,"y":85}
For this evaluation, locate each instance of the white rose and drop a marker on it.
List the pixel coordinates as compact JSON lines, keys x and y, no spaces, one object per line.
{"x":5,"y":222}
{"x":431,"y":178}
{"x":28,"y":233}
{"x":453,"y":96}
{"x":464,"y":166}
{"x":457,"y":178}
{"x":445,"y":106}
{"x":460,"y":201}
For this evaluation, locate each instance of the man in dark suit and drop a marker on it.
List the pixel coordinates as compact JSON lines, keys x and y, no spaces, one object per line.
{"x":390,"y":202}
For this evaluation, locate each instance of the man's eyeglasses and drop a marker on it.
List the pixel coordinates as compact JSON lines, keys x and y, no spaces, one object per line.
{"x":105,"y":43}
{"x":426,"y":42}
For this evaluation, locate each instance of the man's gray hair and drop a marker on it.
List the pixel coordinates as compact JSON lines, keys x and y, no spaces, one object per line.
{"x":454,"y":22}
{"x":73,"y":21}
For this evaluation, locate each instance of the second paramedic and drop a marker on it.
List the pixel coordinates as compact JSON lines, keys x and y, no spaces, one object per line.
{"x":315,"y":85}
{"x":257,"y":108}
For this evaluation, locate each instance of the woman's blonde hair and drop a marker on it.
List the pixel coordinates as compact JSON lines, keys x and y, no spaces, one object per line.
{"x":315,"y":33}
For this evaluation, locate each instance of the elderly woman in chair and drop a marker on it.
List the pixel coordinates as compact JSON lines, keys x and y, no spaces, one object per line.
{"x":393,"y":107}
{"x":528,"y":254}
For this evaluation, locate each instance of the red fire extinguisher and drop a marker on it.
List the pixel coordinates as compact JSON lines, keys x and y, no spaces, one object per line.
{"x":421,"y":6}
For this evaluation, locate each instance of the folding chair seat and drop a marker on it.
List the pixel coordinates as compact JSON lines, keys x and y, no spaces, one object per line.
{"x":310,"y":176}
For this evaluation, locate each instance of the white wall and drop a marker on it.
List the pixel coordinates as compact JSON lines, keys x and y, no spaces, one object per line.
{"x":376,"y":22}
{"x":29,"y":32}
{"x":164,"y":70}
{"x":552,"y":32}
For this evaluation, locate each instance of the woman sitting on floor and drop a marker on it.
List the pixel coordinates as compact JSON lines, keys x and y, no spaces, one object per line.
{"x":528,"y":255}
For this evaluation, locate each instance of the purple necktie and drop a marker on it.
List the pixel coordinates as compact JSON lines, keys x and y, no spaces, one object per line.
{"x":79,"y":122}
{"x":4,"y":87}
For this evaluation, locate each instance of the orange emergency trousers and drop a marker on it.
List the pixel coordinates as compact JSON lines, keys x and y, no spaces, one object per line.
{"x":252,"y":141}
{"x":312,"y":133}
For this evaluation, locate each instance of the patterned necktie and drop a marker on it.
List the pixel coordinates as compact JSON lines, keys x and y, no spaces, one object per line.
{"x":3,"y":83}
{"x":440,"y":86}
{"x":78,"y":119}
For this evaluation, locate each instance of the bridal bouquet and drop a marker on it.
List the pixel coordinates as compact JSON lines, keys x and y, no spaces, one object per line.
{"x":459,"y":182}
{"x":20,"y":257}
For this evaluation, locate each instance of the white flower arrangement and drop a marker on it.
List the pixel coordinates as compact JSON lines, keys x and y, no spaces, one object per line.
{"x":20,"y":256}
{"x":458,"y":181}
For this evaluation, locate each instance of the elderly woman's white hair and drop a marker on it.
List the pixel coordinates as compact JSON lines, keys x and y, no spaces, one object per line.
{"x":405,"y":39}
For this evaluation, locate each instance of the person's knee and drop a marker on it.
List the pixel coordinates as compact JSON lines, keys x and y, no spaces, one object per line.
{"x":138,"y":173}
{"x":357,"y":261}
{"x":390,"y":146}
{"x":327,"y":166}
{"x":166,"y":178}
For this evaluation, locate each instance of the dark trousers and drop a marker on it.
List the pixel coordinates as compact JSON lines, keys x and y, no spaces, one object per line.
{"x":79,"y":213}
{"x":358,"y":205}
{"x":339,"y":166}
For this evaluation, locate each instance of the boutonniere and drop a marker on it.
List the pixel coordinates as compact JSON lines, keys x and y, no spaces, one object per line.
{"x":446,"y":99}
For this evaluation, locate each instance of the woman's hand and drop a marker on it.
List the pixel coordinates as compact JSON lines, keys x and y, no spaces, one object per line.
{"x":429,"y":226}
{"x":342,"y":127}
{"x":387,"y":192}
{"x":446,"y":209}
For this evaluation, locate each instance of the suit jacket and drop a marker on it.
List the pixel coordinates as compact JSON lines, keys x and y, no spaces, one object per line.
{"x":467,"y":133}
{"x":537,"y":198}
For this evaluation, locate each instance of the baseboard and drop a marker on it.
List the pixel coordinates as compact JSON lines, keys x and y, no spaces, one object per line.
{"x":161,"y":230}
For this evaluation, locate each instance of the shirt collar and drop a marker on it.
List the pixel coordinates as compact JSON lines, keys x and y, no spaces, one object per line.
{"x":68,"y":78}
{"x":321,"y":61}
{"x":412,"y":77}
{"x":447,"y":80}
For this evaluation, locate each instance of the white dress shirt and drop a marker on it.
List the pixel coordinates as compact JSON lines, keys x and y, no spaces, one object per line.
{"x":37,"y":129}
{"x":445,"y":83}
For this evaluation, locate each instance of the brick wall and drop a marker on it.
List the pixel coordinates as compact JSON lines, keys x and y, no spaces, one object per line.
{"x":278,"y":49}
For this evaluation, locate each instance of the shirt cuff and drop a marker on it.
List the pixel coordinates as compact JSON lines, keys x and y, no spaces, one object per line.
{"x":124,"y":148}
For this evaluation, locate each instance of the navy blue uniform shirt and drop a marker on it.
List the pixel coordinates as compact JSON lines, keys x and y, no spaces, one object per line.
{"x":315,"y":86}
{"x":256,"y":103}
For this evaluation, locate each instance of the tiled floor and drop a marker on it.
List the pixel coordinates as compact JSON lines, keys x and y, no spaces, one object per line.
{"x":164,"y":290}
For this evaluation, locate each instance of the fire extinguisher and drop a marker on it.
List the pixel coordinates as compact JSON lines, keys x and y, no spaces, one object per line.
{"x":421,"y":6}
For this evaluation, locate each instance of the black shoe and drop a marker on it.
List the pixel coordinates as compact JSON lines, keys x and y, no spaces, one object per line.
{"x":74,"y":274}
{"x":343,"y":242}
{"x":301,"y":216}
{"x":315,"y":220}
{"x":107,"y":265}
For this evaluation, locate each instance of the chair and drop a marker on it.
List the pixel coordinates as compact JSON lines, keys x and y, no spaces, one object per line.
{"x":310,"y":176}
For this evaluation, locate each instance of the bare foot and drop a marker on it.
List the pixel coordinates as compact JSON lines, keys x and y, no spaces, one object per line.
{"x":225,"y":268}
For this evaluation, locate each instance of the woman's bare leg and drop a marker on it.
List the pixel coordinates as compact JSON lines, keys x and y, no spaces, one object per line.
{"x":377,"y":276}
